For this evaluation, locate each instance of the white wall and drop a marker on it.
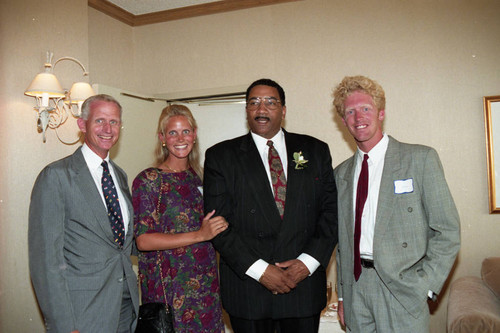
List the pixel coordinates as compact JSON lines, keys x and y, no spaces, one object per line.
{"x":218,"y":123}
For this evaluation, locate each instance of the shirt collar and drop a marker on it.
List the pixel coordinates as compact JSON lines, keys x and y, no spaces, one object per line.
{"x":92,"y":159}
{"x":377,"y":153}
{"x":261,"y":142}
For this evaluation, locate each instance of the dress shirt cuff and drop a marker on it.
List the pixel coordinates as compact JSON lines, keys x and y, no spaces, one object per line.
{"x":311,"y":263}
{"x":257,"y":269}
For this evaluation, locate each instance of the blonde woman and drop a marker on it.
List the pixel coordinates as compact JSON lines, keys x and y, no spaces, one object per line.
{"x":169,"y":222}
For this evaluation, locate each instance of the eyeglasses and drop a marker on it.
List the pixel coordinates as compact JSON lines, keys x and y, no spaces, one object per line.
{"x":270,"y":103}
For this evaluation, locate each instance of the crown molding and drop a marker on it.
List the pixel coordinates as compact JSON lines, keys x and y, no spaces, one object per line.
{"x":222,"y":6}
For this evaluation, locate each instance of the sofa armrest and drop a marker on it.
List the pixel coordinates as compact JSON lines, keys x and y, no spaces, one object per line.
{"x":472,"y":307}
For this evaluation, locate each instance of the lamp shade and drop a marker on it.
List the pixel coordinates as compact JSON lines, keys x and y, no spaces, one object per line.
{"x":80,"y":91}
{"x":45,"y":83}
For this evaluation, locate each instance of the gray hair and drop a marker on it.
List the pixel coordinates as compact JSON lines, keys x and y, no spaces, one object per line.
{"x":101,"y":97}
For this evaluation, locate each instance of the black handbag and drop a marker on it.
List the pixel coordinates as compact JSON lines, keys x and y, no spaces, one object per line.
{"x":156,"y":317}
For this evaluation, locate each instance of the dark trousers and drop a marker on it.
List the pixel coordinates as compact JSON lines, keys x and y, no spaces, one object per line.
{"x":286,"y":325}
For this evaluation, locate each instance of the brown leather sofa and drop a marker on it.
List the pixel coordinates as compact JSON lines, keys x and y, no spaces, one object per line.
{"x":474,"y":303}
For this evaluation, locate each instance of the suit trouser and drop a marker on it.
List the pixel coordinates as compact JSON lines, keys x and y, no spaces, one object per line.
{"x":286,"y":325}
{"x":127,"y":321}
{"x":375,"y":309}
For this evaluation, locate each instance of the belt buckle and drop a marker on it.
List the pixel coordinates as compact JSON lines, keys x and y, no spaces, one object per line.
{"x":367,"y":263}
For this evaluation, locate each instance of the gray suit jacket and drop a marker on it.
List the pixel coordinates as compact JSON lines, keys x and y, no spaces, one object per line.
{"x":76,"y":268}
{"x":417,"y":234}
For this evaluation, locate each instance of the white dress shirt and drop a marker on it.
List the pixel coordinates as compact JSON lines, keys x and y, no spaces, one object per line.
{"x":280,"y":146}
{"x":375,"y":168}
{"x":259,"y":267}
{"x":94,"y":164}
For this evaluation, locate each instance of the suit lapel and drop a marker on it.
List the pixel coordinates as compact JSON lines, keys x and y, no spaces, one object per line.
{"x":85,"y":184}
{"x":386,"y":199}
{"x":258,"y":183}
{"x":295,"y":177}
{"x":346,"y":206}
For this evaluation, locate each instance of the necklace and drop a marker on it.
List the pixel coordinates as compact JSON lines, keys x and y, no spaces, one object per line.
{"x":173,"y":170}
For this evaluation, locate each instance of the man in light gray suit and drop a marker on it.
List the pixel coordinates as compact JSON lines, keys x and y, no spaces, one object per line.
{"x":79,"y":256}
{"x":399,"y":230}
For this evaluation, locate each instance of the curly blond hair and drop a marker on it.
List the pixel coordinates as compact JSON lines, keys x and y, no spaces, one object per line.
{"x":161,"y":153}
{"x":351,"y":84}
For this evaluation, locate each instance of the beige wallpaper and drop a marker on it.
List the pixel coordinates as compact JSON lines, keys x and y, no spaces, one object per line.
{"x":435,"y":59}
{"x":29,"y":29}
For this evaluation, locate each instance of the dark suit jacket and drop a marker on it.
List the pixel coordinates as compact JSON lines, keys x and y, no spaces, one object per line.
{"x":76,"y":267}
{"x":237,"y":187}
{"x":417,"y":234}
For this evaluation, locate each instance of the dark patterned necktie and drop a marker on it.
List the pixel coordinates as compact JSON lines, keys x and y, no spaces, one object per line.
{"x":278,"y":178}
{"x":113,"y":204}
{"x":361,"y":196}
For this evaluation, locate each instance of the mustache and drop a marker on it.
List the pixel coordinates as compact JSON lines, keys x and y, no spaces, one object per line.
{"x":261,"y":117}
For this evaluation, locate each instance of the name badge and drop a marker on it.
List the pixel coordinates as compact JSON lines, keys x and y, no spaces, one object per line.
{"x":403,"y":186}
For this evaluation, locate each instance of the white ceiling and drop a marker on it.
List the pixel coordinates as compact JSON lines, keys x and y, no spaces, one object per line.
{"x":139,"y":7}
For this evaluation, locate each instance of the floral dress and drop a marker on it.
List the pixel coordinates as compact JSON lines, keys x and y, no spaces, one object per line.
{"x":189,"y":273}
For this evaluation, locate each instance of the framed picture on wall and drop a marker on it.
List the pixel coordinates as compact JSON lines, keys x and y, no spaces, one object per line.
{"x":492,"y":125}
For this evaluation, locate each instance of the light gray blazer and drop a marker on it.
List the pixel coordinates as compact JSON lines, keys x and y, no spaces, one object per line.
{"x":76,"y":268}
{"x":417,"y":234}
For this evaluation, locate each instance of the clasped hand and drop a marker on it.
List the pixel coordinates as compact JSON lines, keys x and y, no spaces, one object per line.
{"x":283,"y":277}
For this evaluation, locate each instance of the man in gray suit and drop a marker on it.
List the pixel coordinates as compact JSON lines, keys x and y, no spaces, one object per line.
{"x":399,"y":230}
{"x":79,"y":249}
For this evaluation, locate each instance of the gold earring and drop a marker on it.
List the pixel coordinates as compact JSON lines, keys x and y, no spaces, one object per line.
{"x":163,"y":144}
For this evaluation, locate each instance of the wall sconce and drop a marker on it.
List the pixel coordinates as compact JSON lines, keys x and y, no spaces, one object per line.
{"x":53,"y":104}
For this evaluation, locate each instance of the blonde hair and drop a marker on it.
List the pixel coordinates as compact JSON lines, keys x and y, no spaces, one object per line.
{"x":161,"y":153}
{"x":351,"y":84}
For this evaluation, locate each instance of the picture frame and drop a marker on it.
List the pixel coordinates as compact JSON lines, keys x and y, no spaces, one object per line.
{"x":492,"y":129}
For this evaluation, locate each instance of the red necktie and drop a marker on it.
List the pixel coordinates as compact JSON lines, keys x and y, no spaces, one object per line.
{"x":361,"y":194}
{"x":277,"y":177}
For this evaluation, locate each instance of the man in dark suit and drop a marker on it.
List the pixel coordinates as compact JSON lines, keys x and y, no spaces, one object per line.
{"x":79,"y":248}
{"x":280,"y":202}
{"x":399,"y":230}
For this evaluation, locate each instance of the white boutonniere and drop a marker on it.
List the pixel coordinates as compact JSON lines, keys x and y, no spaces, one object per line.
{"x":300,"y":162}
